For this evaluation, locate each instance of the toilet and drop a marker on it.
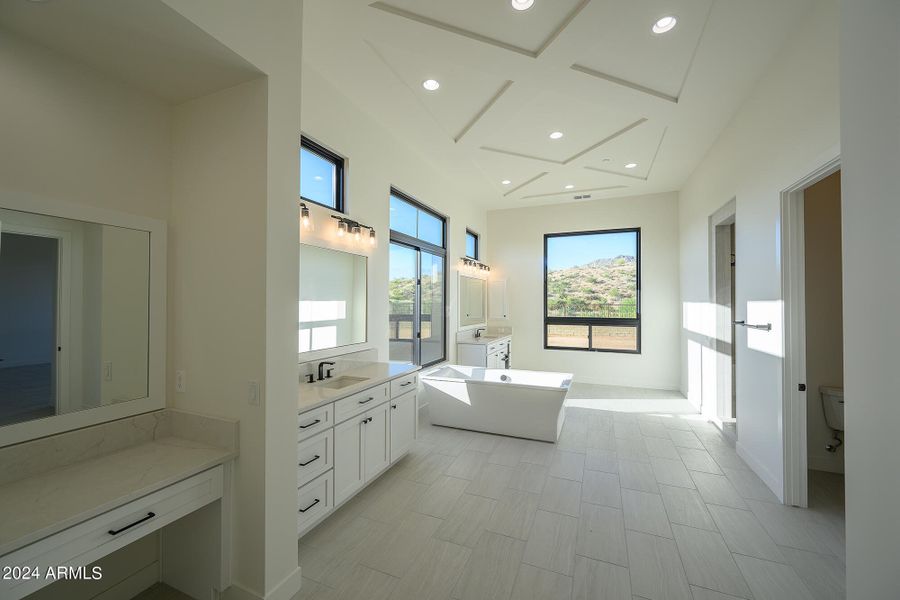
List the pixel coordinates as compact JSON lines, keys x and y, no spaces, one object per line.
{"x":833,"y":405}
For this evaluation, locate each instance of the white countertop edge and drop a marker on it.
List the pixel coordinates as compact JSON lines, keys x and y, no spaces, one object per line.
{"x":484,"y":342}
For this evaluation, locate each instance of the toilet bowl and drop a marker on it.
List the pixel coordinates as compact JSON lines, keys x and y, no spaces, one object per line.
{"x":833,"y":405}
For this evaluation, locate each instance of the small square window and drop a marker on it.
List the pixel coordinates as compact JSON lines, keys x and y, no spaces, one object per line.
{"x":321,"y":176}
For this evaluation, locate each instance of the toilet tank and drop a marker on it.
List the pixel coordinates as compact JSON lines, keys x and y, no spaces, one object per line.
{"x":833,"y":405}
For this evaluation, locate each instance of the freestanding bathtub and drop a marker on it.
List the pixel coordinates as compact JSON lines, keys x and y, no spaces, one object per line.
{"x":526,"y":404}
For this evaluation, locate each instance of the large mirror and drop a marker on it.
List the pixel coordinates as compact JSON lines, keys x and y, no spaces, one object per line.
{"x":472,"y":301}
{"x":332,"y":298}
{"x":74,"y":315}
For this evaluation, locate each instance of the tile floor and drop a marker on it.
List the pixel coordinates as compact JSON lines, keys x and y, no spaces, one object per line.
{"x":641,"y":498}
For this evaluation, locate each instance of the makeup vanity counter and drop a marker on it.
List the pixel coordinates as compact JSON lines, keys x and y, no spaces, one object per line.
{"x":72,"y":498}
{"x":350,"y":429}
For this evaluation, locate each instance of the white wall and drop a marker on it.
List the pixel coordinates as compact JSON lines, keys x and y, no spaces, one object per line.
{"x":786,"y":129}
{"x":870,"y":142}
{"x":824,"y":325}
{"x":377,"y":160}
{"x":517,"y":255}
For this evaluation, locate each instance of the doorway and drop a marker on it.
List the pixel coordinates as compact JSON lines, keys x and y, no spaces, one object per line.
{"x":723,"y":286}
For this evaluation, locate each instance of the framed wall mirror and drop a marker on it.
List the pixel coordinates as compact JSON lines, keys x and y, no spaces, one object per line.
{"x":82,"y":320}
{"x":333,"y":300}
{"x":472,"y":302}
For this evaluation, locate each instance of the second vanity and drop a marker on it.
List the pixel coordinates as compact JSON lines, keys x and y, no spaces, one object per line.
{"x":350,"y":428}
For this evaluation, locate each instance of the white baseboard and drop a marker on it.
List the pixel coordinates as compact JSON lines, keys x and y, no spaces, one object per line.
{"x":285,"y":590}
{"x":757,"y":467}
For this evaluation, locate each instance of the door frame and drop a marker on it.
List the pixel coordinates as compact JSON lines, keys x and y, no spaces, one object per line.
{"x":725,"y":215}
{"x":793,"y":286}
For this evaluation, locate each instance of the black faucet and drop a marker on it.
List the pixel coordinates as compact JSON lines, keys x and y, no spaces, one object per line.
{"x":478,"y":332}
{"x":322,"y":367}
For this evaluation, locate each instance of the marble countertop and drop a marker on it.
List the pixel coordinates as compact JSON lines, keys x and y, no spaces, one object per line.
{"x":44,"y":504}
{"x":484,"y":340}
{"x":313,"y":395}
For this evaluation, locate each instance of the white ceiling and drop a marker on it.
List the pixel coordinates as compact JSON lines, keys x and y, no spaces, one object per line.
{"x":589,"y":68}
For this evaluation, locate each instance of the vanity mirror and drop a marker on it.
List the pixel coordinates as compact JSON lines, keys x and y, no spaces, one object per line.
{"x":81,"y":329}
{"x":332,"y":299}
{"x":472,"y":301}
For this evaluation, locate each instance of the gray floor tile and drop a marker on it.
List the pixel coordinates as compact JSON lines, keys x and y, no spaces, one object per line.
{"x":744,"y":534}
{"x":685,"y":506}
{"x":645,"y":512}
{"x":601,"y":460}
{"x":824,"y":575}
{"x":551,"y":543}
{"x":707,"y":561}
{"x":601,"y":534}
{"x":396,"y":550}
{"x":533,"y":583}
{"x":467,"y":465}
{"x":529,"y":477}
{"x":434,"y":573}
{"x":698,"y":460}
{"x":601,"y":488}
{"x":567,"y":465}
{"x":772,"y":581}
{"x":661,"y":448}
{"x":748,"y":485}
{"x":655,"y":567}
{"x":507,"y":452}
{"x":716,"y":489}
{"x":562,"y":496}
{"x":636,"y":475}
{"x":465,"y":522}
{"x":491,"y":571}
{"x":514,"y":514}
{"x":595,"y":580}
{"x":438,"y":500}
{"x":491,"y":481}
{"x":685,"y":439}
{"x":671,"y":472}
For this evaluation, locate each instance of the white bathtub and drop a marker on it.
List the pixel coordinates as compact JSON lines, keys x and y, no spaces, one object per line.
{"x":526,"y":404}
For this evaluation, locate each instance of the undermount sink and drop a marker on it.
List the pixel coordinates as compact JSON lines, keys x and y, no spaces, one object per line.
{"x":342,"y":381}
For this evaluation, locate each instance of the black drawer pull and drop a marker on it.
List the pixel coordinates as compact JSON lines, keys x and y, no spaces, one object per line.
{"x":406,"y":384}
{"x":312,"y":460}
{"x":367,"y":401}
{"x":149,"y":516}
{"x":316,"y":501}
{"x":393,"y":406}
{"x":311,"y":424}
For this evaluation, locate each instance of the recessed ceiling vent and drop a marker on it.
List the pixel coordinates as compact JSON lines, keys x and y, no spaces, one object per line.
{"x":583,"y":197}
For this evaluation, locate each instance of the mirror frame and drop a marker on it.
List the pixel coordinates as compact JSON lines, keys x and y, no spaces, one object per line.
{"x":460,"y":289}
{"x":304,"y":357}
{"x":156,"y":367}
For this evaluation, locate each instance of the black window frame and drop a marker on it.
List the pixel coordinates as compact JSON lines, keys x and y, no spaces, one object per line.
{"x":477,"y":239}
{"x":420,"y":245}
{"x":339,"y":162}
{"x":594,"y":321}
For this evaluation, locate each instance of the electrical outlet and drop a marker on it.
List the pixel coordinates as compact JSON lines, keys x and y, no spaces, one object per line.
{"x":180,"y":382}
{"x":107,"y":371}
{"x":253,"y":393}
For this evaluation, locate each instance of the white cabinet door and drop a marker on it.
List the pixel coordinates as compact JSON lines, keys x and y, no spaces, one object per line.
{"x":403,"y":424}
{"x":498,"y":306}
{"x":376,"y":441}
{"x":348,"y":458}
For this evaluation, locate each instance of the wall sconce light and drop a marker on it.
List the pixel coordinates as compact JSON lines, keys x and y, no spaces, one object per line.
{"x":304,"y":216}
{"x":473,"y":266}
{"x":354,"y":228}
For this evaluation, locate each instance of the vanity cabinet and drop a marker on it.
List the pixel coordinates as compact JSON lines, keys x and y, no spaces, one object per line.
{"x":364,"y":433}
{"x":495,"y":354}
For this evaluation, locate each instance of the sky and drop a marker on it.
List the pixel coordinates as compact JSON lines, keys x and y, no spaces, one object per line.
{"x":570,"y":251}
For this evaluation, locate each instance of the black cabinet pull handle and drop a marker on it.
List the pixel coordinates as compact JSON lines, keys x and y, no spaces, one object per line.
{"x":149,"y":516}
{"x":393,"y":406}
{"x":312,"y":460}
{"x":406,"y":384}
{"x":367,"y":401}
{"x":364,"y":421}
{"x":310,"y":424}
{"x":316,"y":501}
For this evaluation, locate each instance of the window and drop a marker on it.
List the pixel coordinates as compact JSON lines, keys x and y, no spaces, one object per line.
{"x":417,"y":283}
{"x":471,"y":244}
{"x":592,"y":291}
{"x":321,"y":176}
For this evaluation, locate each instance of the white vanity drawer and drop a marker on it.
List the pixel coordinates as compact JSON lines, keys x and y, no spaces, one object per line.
{"x":313,"y":421}
{"x":402,"y":385}
{"x":86,"y":542}
{"x":315,"y":456}
{"x":359,"y":402}
{"x":314,"y":501}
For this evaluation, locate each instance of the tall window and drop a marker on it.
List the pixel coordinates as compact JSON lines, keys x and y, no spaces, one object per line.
{"x":417,"y":287}
{"x":592,"y":291}
{"x":471,"y":244}
{"x":321,"y":176}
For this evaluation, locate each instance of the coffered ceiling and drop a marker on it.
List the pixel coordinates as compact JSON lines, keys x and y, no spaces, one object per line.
{"x":591,"y":69}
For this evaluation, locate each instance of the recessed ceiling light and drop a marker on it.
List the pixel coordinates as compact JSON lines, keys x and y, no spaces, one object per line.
{"x":522,"y":4}
{"x":556,"y":135}
{"x":431,"y":84}
{"x":506,"y":182}
{"x":665,"y":24}
{"x":630,"y":165}
{"x":570,"y":186}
